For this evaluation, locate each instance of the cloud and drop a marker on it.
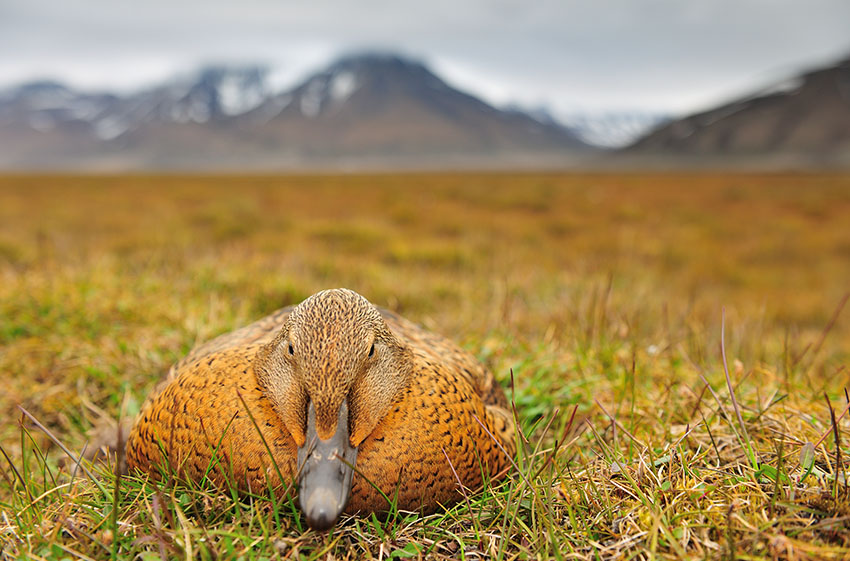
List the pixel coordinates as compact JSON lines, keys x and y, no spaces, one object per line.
{"x":654,"y":54}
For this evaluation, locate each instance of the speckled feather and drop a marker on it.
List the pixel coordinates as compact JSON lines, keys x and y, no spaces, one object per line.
{"x":429,"y":432}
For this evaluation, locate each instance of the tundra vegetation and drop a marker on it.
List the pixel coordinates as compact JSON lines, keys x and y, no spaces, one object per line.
{"x":676,"y":346}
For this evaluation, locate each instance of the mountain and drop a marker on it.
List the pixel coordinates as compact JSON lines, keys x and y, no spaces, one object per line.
{"x":369,"y":110}
{"x":806,"y":117}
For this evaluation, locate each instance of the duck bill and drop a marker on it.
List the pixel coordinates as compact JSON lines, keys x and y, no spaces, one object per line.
{"x":326,"y":469}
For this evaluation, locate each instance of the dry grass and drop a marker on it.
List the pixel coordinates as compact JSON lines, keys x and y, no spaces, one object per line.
{"x":603,"y":294}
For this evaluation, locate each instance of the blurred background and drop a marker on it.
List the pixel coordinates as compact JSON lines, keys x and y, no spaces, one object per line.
{"x":277,"y":85}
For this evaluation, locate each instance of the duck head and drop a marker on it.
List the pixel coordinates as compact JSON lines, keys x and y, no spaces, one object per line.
{"x":332,"y":373}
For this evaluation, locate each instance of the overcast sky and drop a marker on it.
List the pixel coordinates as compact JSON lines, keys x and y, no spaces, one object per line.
{"x":671,"y":56}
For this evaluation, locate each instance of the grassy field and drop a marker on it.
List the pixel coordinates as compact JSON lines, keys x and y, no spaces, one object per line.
{"x":603,"y":294}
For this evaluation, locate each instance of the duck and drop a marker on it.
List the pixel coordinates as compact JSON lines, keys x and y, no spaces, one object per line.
{"x":349,"y":406}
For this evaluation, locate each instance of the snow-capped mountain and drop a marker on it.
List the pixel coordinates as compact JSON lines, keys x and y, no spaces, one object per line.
{"x":214,"y":94}
{"x":45,"y":106}
{"x":380,"y":108}
{"x":384,"y":105}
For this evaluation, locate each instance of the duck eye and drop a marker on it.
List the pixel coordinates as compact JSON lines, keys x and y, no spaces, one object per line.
{"x":291,"y":350}
{"x":372,"y":350}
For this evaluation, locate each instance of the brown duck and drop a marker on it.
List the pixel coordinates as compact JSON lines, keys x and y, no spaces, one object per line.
{"x":349,"y":398}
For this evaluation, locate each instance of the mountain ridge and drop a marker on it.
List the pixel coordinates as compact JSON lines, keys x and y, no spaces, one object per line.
{"x":378,"y":108}
{"x":805,"y":117}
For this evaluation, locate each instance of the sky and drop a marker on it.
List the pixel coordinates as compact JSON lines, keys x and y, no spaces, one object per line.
{"x":660,"y":56}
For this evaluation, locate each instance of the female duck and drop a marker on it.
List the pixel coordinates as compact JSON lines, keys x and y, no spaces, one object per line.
{"x":347,"y":397}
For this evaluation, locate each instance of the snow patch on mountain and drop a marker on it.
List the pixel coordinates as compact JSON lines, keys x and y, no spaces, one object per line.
{"x":342,"y":86}
{"x":612,"y":129}
{"x":238,"y":95}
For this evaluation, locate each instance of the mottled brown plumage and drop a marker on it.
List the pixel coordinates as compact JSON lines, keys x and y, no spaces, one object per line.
{"x":413,"y":398}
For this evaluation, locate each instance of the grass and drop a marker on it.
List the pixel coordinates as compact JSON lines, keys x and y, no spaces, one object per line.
{"x":653,"y":426}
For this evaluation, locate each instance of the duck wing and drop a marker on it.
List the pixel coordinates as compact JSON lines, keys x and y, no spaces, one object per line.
{"x":438,"y":349}
{"x":258,"y":333}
